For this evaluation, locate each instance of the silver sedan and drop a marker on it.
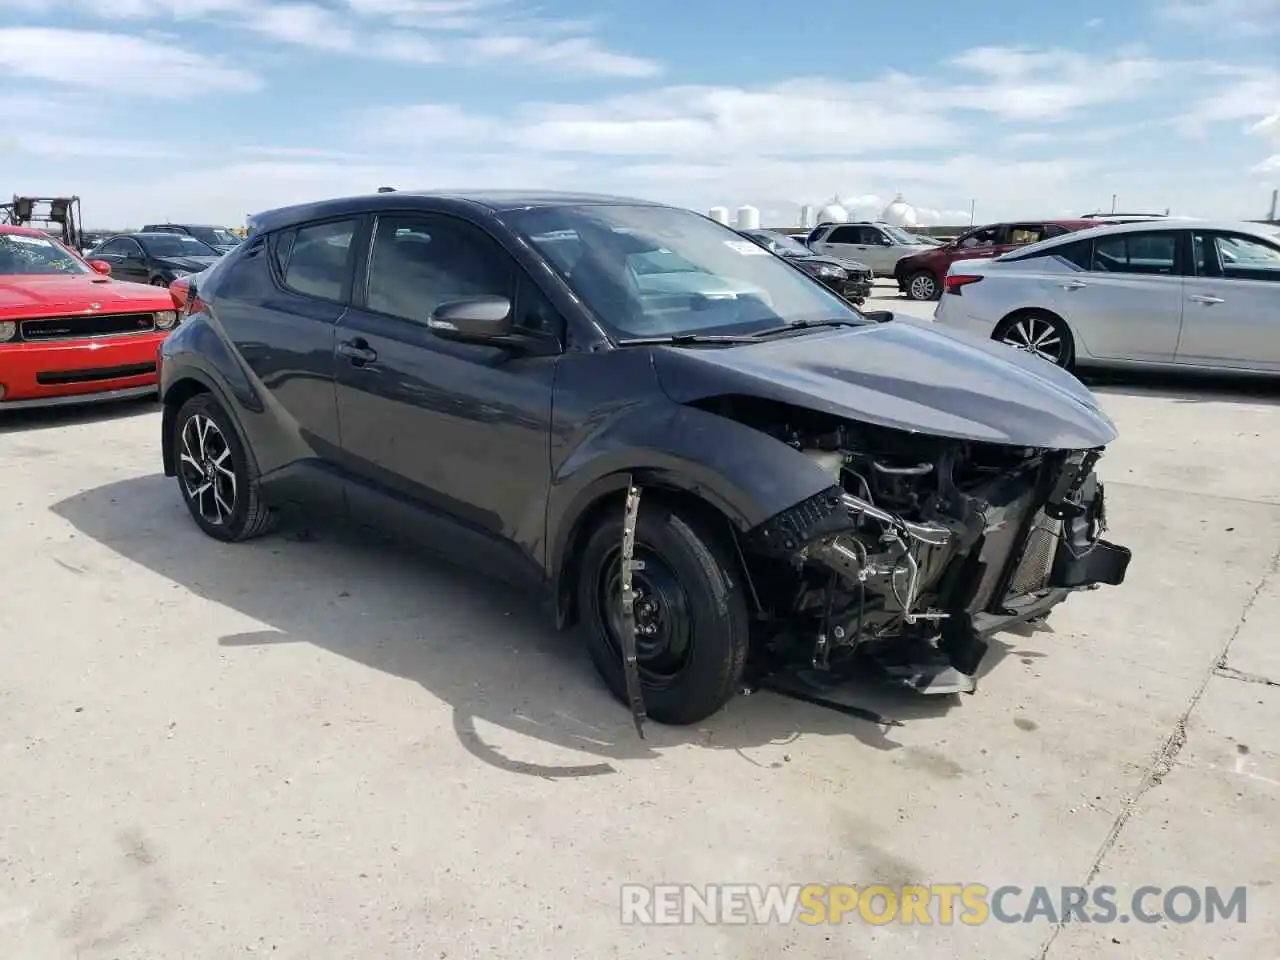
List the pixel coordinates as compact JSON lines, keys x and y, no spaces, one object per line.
{"x":1171,"y":294}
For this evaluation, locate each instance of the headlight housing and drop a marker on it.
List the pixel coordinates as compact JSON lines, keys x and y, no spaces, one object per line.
{"x":166,"y":319}
{"x":830,"y":272}
{"x":8,"y":330}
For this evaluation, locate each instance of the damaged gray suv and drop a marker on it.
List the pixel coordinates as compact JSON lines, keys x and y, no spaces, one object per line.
{"x":716,"y":468}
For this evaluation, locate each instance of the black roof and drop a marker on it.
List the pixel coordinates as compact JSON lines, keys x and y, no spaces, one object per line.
{"x":491,"y":201}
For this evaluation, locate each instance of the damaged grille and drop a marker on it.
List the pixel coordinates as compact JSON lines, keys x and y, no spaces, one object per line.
{"x":1036,"y":564}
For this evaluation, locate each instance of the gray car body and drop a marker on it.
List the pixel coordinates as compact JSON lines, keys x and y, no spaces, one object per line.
{"x":576,"y":423}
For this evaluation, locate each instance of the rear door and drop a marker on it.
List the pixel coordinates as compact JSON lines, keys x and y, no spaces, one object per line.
{"x":1128,"y":305}
{"x":842,"y":241}
{"x":278,"y":302}
{"x":1231,"y":317}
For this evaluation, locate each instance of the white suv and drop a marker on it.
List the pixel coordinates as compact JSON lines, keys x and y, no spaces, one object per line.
{"x":879,"y":245}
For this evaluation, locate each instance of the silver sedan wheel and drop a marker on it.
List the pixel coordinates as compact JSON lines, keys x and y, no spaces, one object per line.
{"x":208,"y":474}
{"x":1036,"y":335}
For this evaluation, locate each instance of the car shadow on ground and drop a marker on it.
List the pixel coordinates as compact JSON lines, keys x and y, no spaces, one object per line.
{"x":486,"y":650}
{"x":1186,"y":387}
{"x":50,"y":418}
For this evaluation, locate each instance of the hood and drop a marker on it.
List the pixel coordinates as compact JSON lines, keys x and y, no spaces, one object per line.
{"x":827,"y":260}
{"x":186,"y":263}
{"x":903,"y":375}
{"x":31,"y":297}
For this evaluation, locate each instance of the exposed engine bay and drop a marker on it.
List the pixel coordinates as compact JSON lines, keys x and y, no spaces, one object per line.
{"x":921,"y":548}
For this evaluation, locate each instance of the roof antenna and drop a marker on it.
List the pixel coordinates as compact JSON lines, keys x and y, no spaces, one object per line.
{"x":386,"y":189}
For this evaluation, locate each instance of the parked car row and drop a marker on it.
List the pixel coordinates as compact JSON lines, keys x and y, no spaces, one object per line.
{"x":851,"y":279}
{"x":1170,"y":294}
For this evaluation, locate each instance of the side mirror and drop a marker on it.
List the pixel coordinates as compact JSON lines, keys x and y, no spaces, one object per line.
{"x":101,"y":266}
{"x":879,"y":316}
{"x":474,"y":320}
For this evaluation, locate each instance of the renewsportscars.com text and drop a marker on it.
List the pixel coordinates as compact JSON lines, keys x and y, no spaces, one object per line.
{"x":970,"y":904}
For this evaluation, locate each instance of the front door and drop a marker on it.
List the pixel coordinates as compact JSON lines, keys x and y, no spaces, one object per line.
{"x":460,"y":432}
{"x":1231,"y":317}
{"x":125,"y":256}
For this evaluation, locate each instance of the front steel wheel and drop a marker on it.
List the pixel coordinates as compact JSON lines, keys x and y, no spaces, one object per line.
{"x":1040,"y":333}
{"x":218,"y":480}
{"x":690,"y":613}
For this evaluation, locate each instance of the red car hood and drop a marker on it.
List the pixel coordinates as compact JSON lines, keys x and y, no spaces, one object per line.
{"x":31,"y":297}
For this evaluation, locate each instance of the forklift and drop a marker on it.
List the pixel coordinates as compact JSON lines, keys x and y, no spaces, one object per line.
{"x":61,"y":212}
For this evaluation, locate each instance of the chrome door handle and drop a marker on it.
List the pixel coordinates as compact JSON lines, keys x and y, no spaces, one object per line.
{"x":359,"y":352}
{"x":1201,"y":298}
{"x":1073,"y":285}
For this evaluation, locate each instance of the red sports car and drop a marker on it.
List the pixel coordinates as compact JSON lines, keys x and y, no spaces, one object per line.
{"x":68,"y":332}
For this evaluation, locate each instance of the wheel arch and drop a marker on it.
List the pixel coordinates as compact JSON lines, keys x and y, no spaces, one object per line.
{"x":188,"y":384}
{"x":1028,"y":311}
{"x":608,"y":495}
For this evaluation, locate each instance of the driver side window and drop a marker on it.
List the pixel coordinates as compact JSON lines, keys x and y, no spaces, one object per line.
{"x":419,"y":262}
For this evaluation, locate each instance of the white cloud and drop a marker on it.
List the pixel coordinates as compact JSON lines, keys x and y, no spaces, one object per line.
{"x":1269,"y":129}
{"x":1036,"y":85}
{"x":1248,"y":17}
{"x":484,"y":32}
{"x":82,"y":58}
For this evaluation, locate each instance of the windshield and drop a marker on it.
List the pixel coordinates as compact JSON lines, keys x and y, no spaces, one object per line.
{"x":781,"y":243}
{"x":175,"y":245}
{"x":900,"y":235}
{"x":214,"y":236}
{"x":22,"y":255}
{"x":657,"y":271}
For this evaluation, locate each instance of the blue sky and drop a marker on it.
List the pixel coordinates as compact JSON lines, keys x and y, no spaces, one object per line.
{"x":213,"y":109}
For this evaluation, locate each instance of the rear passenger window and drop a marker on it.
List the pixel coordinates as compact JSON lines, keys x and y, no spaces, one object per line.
{"x":845,"y":235}
{"x":1077,"y":253}
{"x":1142,"y":253}
{"x":319,"y":261}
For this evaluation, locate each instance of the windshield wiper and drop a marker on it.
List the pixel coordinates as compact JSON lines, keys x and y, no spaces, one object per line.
{"x":679,"y":339}
{"x":807,"y":325}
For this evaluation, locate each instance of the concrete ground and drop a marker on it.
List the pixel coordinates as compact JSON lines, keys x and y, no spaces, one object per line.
{"x":315,"y":746}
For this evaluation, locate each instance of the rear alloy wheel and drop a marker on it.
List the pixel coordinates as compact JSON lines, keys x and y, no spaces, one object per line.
{"x":923,"y":285}
{"x":690,"y":614}
{"x":1037,"y":332}
{"x":218,"y":480}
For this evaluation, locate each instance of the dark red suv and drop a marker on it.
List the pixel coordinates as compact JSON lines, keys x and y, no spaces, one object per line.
{"x":920,"y":275}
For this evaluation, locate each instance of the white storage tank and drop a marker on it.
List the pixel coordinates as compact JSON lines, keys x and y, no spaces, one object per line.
{"x":719,"y":215}
{"x":833,"y":212}
{"x":748,"y":218}
{"x":806,"y":217}
{"x":900,"y":213}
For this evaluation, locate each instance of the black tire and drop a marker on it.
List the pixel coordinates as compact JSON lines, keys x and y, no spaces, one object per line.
{"x":692,"y":665}
{"x":923,"y":285}
{"x":1021,"y":329}
{"x":224,"y":510}
{"x":159,"y":282}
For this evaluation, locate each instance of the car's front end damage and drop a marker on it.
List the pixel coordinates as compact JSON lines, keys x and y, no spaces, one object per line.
{"x":921,"y":548}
